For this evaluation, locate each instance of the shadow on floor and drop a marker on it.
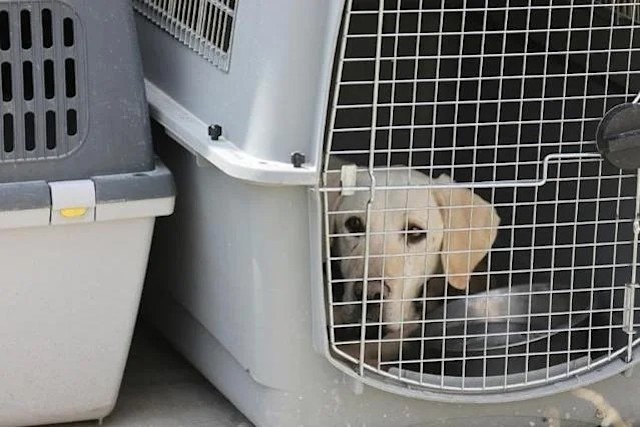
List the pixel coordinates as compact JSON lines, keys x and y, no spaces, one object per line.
{"x":161,"y":389}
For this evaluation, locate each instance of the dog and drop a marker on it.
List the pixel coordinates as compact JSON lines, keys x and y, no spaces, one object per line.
{"x":415,"y":234}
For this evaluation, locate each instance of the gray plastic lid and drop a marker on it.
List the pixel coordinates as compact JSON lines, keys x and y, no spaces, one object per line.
{"x":77,"y":109}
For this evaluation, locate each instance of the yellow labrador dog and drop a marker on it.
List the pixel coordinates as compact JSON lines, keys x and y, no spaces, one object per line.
{"x":414,"y":235}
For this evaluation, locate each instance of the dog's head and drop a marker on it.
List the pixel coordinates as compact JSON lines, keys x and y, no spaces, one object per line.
{"x":413,"y":234}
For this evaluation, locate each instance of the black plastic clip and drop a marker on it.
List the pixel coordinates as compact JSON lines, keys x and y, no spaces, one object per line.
{"x":215,"y":132}
{"x":618,"y":136}
{"x":298,"y":159}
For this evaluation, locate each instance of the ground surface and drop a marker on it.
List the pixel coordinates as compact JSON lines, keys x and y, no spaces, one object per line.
{"x":161,"y":389}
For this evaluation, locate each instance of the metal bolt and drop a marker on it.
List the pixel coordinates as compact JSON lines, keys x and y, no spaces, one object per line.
{"x":298,"y":159}
{"x":215,"y":132}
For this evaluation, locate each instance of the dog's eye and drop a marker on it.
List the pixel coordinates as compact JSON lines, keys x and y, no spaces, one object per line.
{"x":415,"y":234}
{"x":354,"y":225}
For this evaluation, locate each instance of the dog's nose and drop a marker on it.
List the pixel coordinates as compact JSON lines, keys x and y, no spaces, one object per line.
{"x":376,"y":290}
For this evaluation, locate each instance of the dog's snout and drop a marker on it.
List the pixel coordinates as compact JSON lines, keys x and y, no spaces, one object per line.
{"x":376,"y":290}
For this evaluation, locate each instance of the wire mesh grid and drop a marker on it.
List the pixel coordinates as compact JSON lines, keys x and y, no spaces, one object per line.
{"x":481,"y":243}
{"x":205,"y":26}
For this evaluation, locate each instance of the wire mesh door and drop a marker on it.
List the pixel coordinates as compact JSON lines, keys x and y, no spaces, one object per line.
{"x":476,"y":241}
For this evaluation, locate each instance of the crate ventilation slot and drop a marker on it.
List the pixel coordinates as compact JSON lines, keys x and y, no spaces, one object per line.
{"x":42,"y":98}
{"x":205,"y":26}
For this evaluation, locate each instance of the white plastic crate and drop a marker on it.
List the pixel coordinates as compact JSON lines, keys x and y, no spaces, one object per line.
{"x":69,"y":301}
{"x":505,"y":97}
{"x":79,"y":192}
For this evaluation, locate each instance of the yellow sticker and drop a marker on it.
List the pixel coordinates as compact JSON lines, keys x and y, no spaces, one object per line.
{"x":73,"y":212}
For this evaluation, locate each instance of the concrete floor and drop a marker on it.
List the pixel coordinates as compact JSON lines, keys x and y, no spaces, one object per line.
{"x":161,"y":389}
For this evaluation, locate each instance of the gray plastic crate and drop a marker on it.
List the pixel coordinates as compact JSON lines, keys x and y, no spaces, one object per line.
{"x":79,"y":192}
{"x":504,"y":96}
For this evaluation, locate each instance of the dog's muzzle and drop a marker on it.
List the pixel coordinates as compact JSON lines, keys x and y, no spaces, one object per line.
{"x":376,"y":291}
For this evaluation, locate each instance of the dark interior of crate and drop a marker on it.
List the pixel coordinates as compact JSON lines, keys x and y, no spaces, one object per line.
{"x":491,"y":92}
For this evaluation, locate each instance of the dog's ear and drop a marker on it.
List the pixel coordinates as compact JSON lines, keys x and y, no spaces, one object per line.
{"x":471,"y":226}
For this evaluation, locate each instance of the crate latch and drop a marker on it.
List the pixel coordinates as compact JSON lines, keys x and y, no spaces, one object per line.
{"x":73,"y":202}
{"x":348,"y":178}
{"x":629,"y":303}
{"x":628,"y":317}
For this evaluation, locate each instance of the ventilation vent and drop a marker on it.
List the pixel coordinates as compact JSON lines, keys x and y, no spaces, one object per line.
{"x":42,"y":109}
{"x":206,"y":26}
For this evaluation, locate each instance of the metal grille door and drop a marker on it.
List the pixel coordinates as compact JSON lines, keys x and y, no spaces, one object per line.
{"x":481,"y":245}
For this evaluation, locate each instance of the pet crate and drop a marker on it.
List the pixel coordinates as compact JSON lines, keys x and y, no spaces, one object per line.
{"x":501,"y":134}
{"x":79,"y":193}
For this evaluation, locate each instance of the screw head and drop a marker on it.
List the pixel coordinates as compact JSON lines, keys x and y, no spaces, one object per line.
{"x":215,"y":132}
{"x":298,"y":159}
